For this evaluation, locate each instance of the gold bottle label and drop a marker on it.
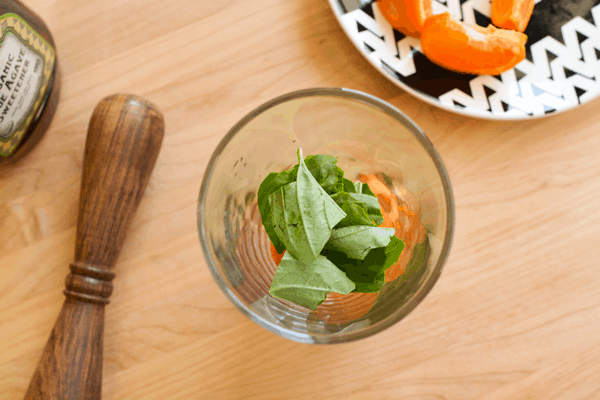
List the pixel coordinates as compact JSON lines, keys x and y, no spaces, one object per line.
{"x":26,"y":64}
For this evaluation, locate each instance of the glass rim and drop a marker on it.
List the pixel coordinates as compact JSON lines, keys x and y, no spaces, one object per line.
{"x":396,"y":316}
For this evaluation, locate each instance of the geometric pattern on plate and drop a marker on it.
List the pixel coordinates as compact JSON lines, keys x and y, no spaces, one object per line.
{"x":561,"y":69}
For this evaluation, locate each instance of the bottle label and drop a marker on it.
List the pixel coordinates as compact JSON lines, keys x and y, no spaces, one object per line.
{"x":26,"y":65}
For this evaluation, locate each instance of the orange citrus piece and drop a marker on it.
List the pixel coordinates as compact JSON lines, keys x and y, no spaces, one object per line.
{"x":408,"y":16}
{"x":512,"y":14}
{"x":469,"y":48}
{"x":275,"y":255}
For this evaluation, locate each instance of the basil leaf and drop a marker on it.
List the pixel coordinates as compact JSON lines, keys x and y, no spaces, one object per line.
{"x":273,"y":182}
{"x":263,"y":191}
{"x":368,"y":275}
{"x":363,"y":188}
{"x":319,"y":212}
{"x":356,"y":241}
{"x":372,"y":206}
{"x":324,"y":169}
{"x":308,"y":284}
{"x":270,"y":185}
{"x":287,"y":220}
{"x":303,"y":215}
{"x":356,"y":213}
{"x":348,"y":186}
{"x":359,"y":203}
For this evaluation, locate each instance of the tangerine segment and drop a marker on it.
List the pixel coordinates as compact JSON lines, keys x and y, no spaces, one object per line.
{"x":512,"y":14}
{"x":275,"y":255}
{"x":408,"y":16}
{"x":469,"y":48}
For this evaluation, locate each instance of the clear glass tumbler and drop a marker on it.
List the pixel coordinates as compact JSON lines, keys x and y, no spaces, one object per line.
{"x":370,"y":137}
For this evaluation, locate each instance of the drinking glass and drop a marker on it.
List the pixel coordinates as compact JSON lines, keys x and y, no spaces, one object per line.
{"x":369,"y":137}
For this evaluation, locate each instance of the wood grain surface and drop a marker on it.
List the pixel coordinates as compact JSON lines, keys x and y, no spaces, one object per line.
{"x":515,"y":314}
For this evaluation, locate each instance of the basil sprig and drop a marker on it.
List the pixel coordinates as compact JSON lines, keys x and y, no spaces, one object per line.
{"x":329,"y":229}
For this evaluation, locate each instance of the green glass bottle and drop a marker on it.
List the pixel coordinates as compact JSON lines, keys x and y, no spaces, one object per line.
{"x":29,"y":80}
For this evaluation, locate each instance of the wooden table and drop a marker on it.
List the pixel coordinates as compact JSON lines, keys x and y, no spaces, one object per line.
{"x":515,"y":314}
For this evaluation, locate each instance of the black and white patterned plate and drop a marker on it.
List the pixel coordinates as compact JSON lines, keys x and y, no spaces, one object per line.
{"x":561,"y":71}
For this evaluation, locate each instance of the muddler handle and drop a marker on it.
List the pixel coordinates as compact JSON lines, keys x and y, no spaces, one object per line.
{"x":124,"y":137}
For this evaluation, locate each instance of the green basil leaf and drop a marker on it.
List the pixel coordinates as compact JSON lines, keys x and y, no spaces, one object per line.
{"x":372,"y":206}
{"x":329,"y":227}
{"x":356,"y":241}
{"x":319,"y":212}
{"x":287,"y":219}
{"x":356,"y":213}
{"x":269,"y":185}
{"x":363,"y":188}
{"x":348,"y":186}
{"x":358,"y":187}
{"x":308,"y":284}
{"x":303,"y":215}
{"x":324,"y":169}
{"x":369,"y":274}
{"x":371,"y":286}
{"x":272,"y":183}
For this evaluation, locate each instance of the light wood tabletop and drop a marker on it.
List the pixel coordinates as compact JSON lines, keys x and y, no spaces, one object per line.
{"x":515,"y":314}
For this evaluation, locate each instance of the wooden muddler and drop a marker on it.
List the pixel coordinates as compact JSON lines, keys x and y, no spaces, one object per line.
{"x":124,"y":137}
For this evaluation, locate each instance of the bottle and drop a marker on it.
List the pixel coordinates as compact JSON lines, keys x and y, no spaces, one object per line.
{"x":29,"y":80}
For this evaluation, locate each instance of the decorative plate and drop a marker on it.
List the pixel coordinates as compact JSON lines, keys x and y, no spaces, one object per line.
{"x":560,"y":72}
